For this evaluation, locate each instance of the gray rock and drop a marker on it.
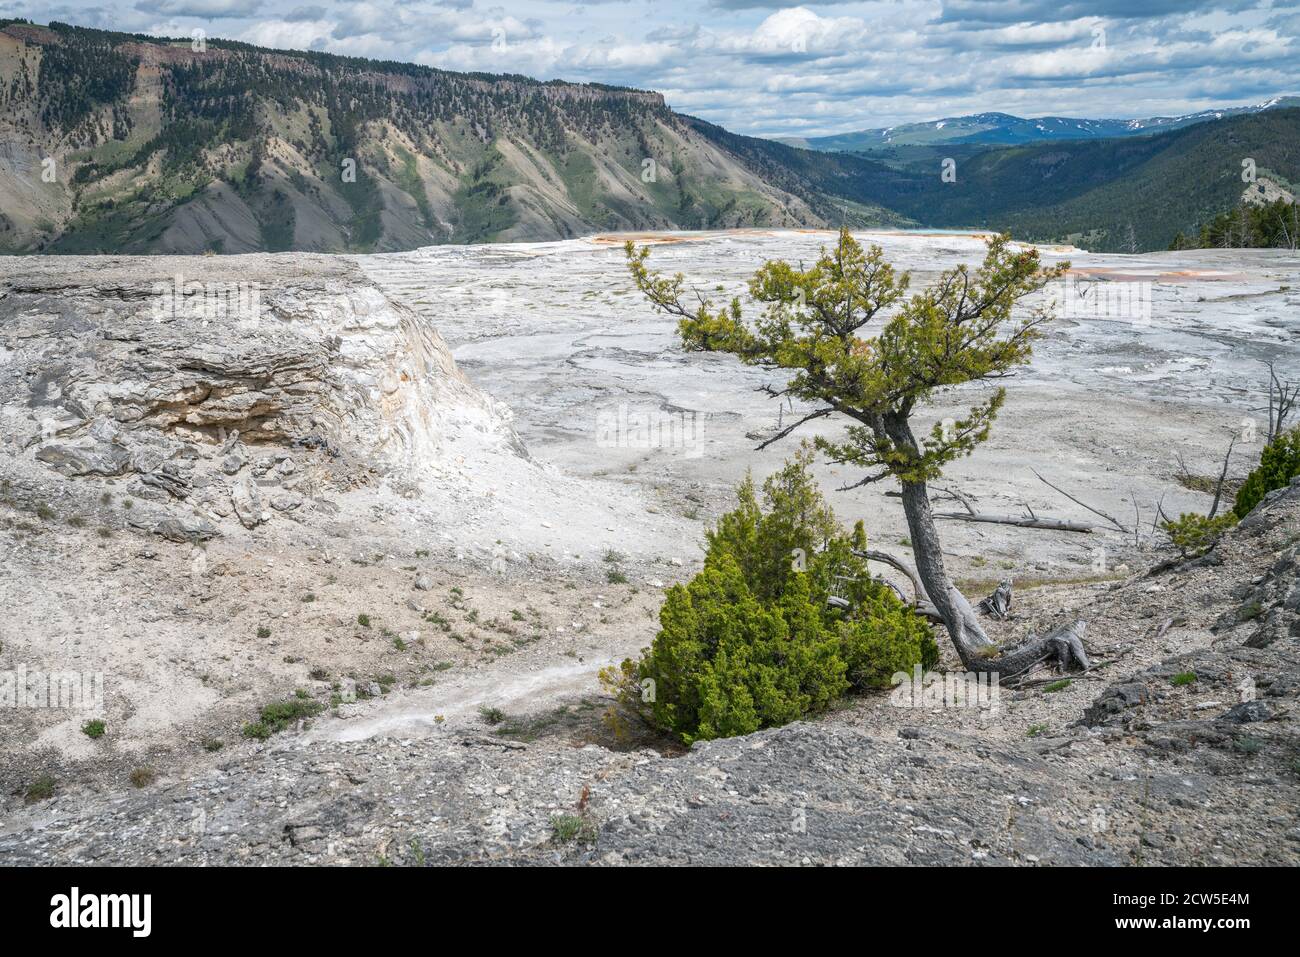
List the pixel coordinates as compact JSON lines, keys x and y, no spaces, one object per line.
{"x":246,"y":498}
{"x":186,"y":530}
{"x":1246,"y":712}
{"x":108,"y":460}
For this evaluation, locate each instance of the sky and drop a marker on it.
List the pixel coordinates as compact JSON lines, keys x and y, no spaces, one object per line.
{"x":762,"y":67}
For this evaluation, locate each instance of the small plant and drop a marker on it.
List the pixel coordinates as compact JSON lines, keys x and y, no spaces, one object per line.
{"x":279,"y":715}
{"x":44,"y":512}
{"x":616,"y":576}
{"x":491,"y":715}
{"x":94,"y":728}
{"x":318,"y":674}
{"x":1058,"y":685}
{"x":363,"y":620}
{"x":516,"y":614}
{"x":263,"y":632}
{"x":105,"y":532}
{"x":1034,"y":730}
{"x":1250,"y":611}
{"x":143,"y":777}
{"x":308,"y":598}
{"x":1194,"y":534}
{"x":570,"y":828}
{"x":1247,"y":745}
{"x":212,"y":745}
{"x":42,"y":789}
{"x":399,"y":643}
{"x":1183,"y":678}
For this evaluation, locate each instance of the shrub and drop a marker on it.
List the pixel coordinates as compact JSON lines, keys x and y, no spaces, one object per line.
{"x":1194,"y":534}
{"x":1278,"y":464}
{"x":751,"y":641}
{"x":42,"y":789}
{"x":94,"y":728}
{"x":279,"y":715}
{"x":143,"y":777}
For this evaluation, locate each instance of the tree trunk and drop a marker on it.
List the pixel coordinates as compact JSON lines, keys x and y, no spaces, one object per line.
{"x":978,"y":652}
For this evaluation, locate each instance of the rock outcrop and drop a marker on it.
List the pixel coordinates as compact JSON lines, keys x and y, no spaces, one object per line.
{"x":227,"y":396}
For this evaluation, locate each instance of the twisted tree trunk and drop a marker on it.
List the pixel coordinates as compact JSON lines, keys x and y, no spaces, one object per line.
{"x":978,"y":652}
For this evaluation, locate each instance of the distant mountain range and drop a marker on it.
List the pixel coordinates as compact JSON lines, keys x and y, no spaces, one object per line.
{"x":1005,"y":129}
{"x":122,"y":143}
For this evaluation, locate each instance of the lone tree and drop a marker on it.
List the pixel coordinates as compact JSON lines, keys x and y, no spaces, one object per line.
{"x":958,"y":330}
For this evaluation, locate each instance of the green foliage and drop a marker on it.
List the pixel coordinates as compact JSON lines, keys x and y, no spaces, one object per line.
{"x":1267,"y":225}
{"x":1183,"y":678}
{"x":572,"y":828}
{"x":1279,"y":463}
{"x":959,"y":329}
{"x":278,"y":715}
{"x":42,"y":789}
{"x":1194,"y":534}
{"x":93,"y":728}
{"x":751,"y":641}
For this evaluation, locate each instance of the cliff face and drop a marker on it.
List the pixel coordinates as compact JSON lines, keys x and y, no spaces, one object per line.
{"x":114,"y":143}
{"x":254,"y":382}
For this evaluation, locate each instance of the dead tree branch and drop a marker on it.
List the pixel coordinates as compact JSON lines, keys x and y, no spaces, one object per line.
{"x":1095,"y":511}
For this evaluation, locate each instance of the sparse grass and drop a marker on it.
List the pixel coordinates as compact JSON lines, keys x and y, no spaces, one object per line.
{"x":1250,"y":611}
{"x":399,"y":643}
{"x":44,"y":512}
{"x":76,"y":521}
{"x":318,"y":674}
{"x":616,"y":576}
{"x":263,"y":632}
{"x":516,"y":614}
{"x":363,"y":620}
{"x":1183,"y":678}
{"x":42,"y":789}
{"x":105,"y":532}
{"x":143,"y":777}
{"x":1034,"y":730}
{"x":572,"y":828}
{"x":308,"y":598}
{"x":278,"y":715}
{"x":1058,"y":685}
{"x":491,"y":715}
{"x":212,"y":745}
{"x":94,"y":728}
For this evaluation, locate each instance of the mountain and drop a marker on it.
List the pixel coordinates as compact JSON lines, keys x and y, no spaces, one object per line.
{"x":149,"y":145}
{"x":1119,"y":194}
{"x":1003,"y":128}
{"x":113,"y":142}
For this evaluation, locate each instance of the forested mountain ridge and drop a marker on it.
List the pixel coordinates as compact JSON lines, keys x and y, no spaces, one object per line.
{"x":118,"y":143}
{"x":113,"y":142}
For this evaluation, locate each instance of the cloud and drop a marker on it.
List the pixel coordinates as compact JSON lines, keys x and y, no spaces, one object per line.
{"x":777,"y":66}
{"x":203,"y":9}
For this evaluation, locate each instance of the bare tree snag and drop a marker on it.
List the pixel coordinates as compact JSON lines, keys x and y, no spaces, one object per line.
{"x":998,"y":604}
{"x":1110,"y":518}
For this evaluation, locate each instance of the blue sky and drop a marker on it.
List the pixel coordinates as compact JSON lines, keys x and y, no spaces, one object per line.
{"x":767,"y":68}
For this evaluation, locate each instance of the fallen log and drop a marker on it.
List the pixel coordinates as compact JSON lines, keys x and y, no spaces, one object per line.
{"x":1022,"y":521}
